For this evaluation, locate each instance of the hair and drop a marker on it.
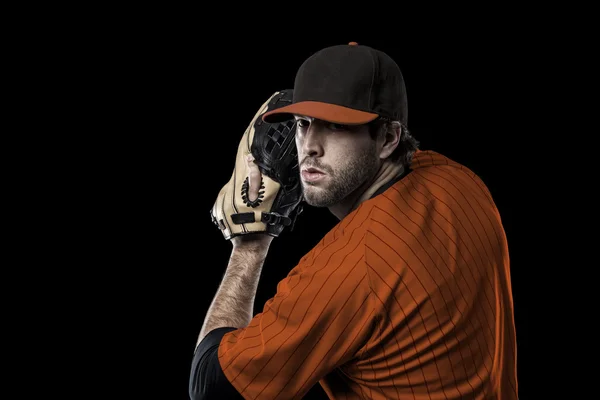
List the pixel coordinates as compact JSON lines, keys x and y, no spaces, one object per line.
{"x":407,"y":146}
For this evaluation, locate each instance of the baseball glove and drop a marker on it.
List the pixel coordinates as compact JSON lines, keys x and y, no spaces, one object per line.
{"x":280,"y":195}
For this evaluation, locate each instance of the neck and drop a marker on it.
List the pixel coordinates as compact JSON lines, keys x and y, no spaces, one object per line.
{"x":386,"y":173}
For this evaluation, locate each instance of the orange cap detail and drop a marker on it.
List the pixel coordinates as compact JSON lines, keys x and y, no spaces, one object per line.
{"x":353,"y":44}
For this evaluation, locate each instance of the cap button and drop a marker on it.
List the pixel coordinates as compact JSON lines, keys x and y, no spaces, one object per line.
{"x":353,"y":44}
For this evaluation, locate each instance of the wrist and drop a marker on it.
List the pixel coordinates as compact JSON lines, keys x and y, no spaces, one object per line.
{"x":255,"y":242}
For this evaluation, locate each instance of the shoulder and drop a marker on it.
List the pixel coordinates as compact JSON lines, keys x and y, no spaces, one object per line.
{"x":438,"y":176}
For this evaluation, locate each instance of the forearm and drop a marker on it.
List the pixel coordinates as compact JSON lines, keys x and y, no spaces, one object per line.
{"x":233,"y":304}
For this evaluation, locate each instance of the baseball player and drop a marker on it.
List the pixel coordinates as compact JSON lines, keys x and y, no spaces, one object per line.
{"x":407,"y":297}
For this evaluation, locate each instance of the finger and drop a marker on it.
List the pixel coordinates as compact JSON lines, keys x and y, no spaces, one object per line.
{"x":253,"y":178}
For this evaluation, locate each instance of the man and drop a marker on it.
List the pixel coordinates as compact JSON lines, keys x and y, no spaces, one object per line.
{"x":407,"y":297}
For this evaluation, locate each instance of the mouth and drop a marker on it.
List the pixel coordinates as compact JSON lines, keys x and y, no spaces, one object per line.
{"x":312,"y":174}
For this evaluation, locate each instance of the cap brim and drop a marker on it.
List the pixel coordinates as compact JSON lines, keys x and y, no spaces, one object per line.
{"x":323,"y":111}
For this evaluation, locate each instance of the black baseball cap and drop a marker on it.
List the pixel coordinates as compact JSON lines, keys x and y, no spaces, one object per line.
{"x":348,"y":84}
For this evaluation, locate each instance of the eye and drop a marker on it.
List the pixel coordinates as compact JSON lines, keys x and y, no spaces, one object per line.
{"x":303,"y":123}
{"x":339,"y":127}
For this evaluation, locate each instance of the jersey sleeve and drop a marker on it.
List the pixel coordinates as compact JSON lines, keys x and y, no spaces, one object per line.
{"x":206,"y":377}
{"x":320,"y":317}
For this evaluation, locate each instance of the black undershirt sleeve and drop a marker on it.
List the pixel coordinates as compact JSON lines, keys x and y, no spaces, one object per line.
{"x":207,"y":380}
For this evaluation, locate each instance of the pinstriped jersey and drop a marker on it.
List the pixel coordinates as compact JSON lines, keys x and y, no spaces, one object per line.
{"x":407,"y":297}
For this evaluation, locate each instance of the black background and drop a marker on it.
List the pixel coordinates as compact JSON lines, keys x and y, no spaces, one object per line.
{"x":171,"y":98}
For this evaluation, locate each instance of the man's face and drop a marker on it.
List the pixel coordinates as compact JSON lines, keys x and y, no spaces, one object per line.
{"x":334,"y":159}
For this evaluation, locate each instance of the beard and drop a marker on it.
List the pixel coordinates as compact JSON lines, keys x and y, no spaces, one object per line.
{"x":345,"y":179}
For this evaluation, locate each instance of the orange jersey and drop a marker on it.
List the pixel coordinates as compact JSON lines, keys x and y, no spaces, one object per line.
{"x":407,"y":297}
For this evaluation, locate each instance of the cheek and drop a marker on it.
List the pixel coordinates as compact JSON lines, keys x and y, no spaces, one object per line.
{"x":348,"y":147}
{"x":340,"y":154}
{"x":298,"y":144}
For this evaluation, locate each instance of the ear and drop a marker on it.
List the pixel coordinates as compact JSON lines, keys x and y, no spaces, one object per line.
{"x":390,"y":139}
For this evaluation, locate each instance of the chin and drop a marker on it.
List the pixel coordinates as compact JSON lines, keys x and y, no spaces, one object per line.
{"x":318,"y":198}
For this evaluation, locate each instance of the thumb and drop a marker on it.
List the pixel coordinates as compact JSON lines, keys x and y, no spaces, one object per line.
{"x":254,"y":178}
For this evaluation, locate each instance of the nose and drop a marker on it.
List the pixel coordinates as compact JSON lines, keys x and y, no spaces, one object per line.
{"x":312,"y":145}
